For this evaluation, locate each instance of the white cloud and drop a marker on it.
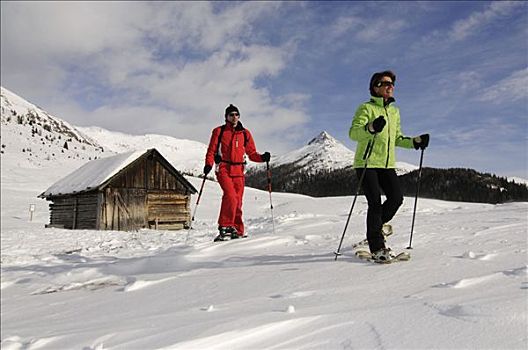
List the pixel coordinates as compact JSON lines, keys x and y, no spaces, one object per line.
{"x":366,"y":29}
{"x":477,"y":20}
{"x":465,"y":28}
{"x":510,"y":89}
{"x":173,"y":65}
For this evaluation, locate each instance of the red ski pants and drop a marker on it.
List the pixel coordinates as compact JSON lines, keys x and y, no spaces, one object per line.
{"x":231,"y":210}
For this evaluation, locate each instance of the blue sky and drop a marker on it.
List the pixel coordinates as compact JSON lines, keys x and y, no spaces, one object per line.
{"x":293,"y":68}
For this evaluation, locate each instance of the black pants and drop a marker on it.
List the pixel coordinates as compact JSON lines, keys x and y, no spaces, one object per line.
{"x":374,"y":181}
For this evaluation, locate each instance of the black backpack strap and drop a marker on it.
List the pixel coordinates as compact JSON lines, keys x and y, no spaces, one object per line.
{"x":218,"y":156}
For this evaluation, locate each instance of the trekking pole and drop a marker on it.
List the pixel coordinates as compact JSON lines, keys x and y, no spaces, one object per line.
{"x":196,"y":207}
{"x":416,"y":197}
{"x":269,"y":190}
{"x":366,"y":157}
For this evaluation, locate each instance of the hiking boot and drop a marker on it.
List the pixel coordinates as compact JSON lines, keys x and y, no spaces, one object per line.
{"x":383,"y":255}
{"x":223,"y":234}
{"x":232,"y":231}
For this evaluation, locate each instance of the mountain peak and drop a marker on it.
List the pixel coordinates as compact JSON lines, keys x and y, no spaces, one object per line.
{"x":323,"y":138}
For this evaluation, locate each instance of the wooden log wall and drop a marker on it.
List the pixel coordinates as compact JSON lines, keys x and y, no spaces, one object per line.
{"x":168,"y":209}
{"x":74,"y":211}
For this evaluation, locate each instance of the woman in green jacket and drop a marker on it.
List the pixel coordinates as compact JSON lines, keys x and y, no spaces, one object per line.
{"x":376,"y":128}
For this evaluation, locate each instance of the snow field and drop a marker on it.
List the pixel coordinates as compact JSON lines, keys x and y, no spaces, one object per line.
{"x":465,"y":286}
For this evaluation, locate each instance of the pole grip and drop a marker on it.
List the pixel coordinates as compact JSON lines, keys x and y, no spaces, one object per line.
{"x":269,"y":176}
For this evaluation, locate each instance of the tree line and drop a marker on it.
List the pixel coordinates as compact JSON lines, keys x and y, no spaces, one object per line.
{"x":453,"y":184}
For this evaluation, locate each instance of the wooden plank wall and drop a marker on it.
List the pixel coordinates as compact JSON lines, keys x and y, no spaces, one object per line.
{"x":75,"y":211}
{"x":159,"y":178}
{"x":149,"y":174}
{"x":123,"y":209}
{"x":168,"y":210}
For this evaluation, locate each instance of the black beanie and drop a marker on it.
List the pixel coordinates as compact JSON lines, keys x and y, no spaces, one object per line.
{"x":377,"y":77}
{"x":231,"y":108}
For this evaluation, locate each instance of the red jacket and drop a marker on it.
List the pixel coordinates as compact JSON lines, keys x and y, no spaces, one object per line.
{"x":235,"y":144}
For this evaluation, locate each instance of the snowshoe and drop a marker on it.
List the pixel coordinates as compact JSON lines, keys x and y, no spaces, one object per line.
{"x":383,"y":255}
{"x":385,"y":252}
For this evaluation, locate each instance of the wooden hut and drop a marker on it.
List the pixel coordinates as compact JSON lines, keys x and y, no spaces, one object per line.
{"x":124,"y":192}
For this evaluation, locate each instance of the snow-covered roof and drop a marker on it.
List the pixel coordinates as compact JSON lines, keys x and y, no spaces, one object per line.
{"x":97,"y":172}
{"x":92,"y":174}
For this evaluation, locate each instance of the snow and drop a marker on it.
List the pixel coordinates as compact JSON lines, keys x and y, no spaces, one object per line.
{"x":13,"y":103}
{"x":518,"y":180}
{"x":464,"y":288}
{"x":187,"y":154}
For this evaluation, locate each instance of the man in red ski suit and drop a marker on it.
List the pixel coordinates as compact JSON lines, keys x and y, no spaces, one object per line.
{"x":228,"y":147}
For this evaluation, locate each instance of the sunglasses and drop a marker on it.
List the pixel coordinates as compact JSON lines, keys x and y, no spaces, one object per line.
{"x":384,"y":83}
{"x":234,"y":114}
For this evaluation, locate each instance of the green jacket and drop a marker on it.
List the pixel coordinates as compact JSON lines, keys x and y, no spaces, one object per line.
{"x":383,"y":152}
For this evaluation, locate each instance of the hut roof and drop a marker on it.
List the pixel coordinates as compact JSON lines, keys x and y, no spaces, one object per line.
{"x":97,"y":173}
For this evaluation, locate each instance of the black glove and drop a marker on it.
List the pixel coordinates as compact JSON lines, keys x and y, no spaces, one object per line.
{"x":217,"y":158}
{"x":378,"y":124}
{"x":423,"y":143}
{"x":266,"y":156}
{"x":207,"y":169}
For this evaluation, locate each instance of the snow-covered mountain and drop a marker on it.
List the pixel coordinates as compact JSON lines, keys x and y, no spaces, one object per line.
{"x":32,"y":137}
{"x":324,"y":152}
{"x":17,"y":110}
{"x":186,"y":155}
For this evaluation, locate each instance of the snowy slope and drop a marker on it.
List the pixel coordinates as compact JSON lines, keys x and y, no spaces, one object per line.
{"x":186,"y":155}
{"x":16,"y":109}
{"x":31,"y":137}
{"x":465,"y":287}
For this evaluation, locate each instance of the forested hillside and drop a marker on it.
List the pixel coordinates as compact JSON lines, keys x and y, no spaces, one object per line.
{"x":453,"y":184}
